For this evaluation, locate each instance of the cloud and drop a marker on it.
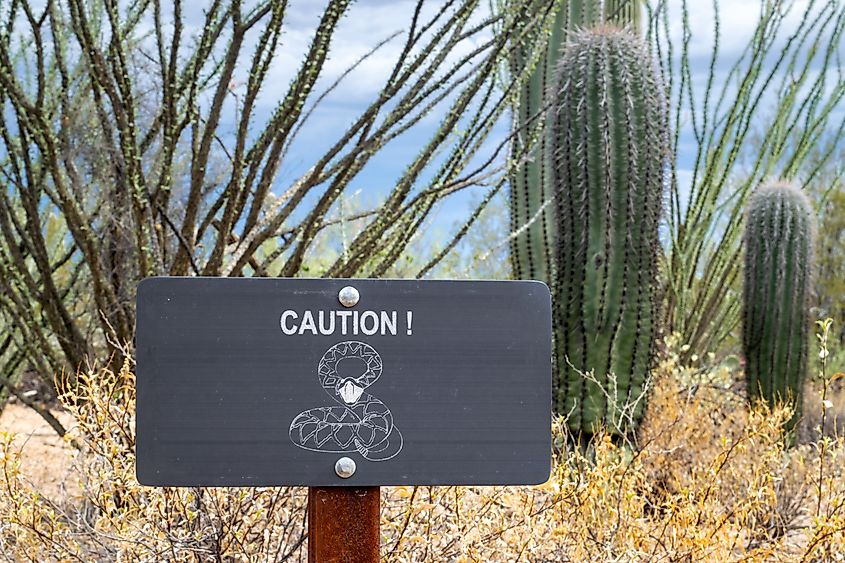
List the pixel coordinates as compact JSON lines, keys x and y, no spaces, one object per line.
{"x":363,"y":27}
{"x":368,"y":22}
{"x":737,"y":21}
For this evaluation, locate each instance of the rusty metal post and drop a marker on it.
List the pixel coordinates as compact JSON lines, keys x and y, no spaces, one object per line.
{"x":343,"y":524}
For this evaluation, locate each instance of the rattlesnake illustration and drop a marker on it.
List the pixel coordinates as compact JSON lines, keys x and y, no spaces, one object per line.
{"x":361,"y":423}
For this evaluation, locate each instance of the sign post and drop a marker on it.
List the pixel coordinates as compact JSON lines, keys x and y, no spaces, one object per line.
{"x":342,"y":386}
{"x":343,"y":524}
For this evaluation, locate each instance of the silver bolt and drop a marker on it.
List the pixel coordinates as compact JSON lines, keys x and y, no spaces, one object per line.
{"x":345,"y":467}
{"x":348,"y":296}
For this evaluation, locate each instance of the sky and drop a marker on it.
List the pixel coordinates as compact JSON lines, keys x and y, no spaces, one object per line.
{"x":366,"y":24}
{"x":369,"y":21}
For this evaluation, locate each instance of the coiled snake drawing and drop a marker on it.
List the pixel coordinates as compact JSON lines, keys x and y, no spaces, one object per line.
{"x":360,"y":423}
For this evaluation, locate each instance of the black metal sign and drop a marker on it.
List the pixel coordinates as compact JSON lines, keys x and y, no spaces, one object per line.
{"x":267,"y":382}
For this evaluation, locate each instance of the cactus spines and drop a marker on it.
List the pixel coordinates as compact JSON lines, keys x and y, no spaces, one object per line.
{"x":609,"y":134}
{"x":779,"y":236}
{"x":623,"y":13}
{"x":532,"y":214}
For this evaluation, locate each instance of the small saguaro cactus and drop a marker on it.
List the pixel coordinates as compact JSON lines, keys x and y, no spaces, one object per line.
{"x":609,"y":133}
{"x":779,"y":238}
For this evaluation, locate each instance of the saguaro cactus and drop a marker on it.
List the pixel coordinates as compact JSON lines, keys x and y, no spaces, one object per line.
{"x":609,"y":136}
{"x":533,"y":249}
{"x":779,"y":238}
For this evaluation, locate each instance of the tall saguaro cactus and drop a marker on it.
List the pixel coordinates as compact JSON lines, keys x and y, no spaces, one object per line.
{"x":609,"y":150}
{"x":779,"y":237}
{"x":533,"y":248}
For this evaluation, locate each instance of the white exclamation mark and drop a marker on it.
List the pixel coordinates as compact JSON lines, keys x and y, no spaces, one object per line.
{"x":410,"y":317}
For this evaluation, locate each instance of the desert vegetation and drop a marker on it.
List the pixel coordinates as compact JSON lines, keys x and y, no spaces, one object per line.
{"x":712,"y":478}
{"x":684,"y":205}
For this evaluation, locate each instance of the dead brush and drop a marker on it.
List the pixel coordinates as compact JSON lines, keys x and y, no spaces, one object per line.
{"x":114,"y":518}
{"x":709,"y":479}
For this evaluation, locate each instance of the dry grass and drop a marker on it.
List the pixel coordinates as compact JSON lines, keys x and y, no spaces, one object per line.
{"x":710,"y":480}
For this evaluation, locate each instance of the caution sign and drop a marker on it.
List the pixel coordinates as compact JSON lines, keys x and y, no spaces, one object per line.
{"x":272,"y":382}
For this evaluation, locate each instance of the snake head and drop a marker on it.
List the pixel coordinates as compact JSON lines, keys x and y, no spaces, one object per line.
{"x":349,"y":391}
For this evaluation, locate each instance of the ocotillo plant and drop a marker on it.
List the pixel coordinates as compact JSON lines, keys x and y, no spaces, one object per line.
{"x":779,"y":237}
{"x":533,"y":249}
{"x":608,"y":130}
